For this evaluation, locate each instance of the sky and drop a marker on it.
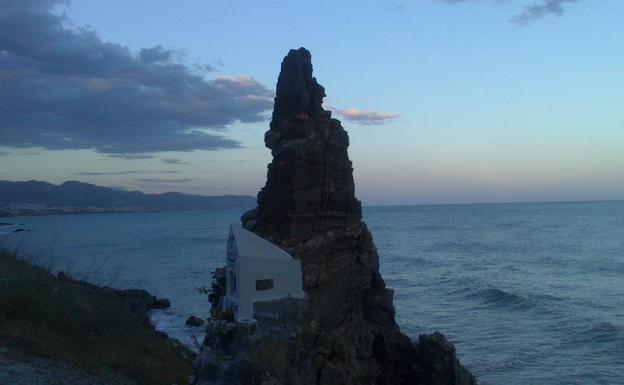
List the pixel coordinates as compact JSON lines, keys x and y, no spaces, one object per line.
{"x":445,"y":101}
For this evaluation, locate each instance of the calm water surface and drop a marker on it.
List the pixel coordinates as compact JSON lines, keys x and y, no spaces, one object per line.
{"x":530,"y":294}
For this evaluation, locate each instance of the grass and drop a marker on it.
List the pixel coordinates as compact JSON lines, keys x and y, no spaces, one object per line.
{"x":71,"y":321}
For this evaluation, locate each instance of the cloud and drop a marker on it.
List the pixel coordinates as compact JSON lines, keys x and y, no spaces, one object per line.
{"x":531,"y":12}
{"x":125,"y":172}
{"x":539,"y":10}
{"x":4,"y":153}
{"x":156,"y":54}
{"x":366,"y":117}
{"x":62,"y":87}
{"x":96,"y":173}
{"x":173,"y":161}
{"x":397,"y":7}
{"x":159,"y":180}
{"x":131,"y":156}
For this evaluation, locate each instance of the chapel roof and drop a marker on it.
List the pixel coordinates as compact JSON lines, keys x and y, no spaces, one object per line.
{"x":250,"y":245}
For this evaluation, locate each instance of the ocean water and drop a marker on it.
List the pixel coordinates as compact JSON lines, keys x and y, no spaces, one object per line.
{"x":530,"y":294}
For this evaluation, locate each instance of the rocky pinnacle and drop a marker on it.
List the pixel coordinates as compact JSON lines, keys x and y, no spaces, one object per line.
{"x":348,"y":334}
{"x":309,"y":188}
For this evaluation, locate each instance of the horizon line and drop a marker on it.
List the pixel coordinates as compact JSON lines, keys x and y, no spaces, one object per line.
{"x":495,"y":203}
{"x":363,"y":204}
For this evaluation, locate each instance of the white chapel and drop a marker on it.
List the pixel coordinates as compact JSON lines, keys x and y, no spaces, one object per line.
{"x":257,"y":270}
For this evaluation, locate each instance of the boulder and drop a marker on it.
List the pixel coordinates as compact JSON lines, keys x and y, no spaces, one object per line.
{"x":160,"y":303}
{"x":194,"y":321}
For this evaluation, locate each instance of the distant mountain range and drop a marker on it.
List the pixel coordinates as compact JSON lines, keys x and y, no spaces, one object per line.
{"x":35,"y":197}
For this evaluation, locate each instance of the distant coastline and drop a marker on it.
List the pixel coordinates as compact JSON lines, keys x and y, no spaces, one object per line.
{"x":37,"y":211}
{"x":73,"y":197}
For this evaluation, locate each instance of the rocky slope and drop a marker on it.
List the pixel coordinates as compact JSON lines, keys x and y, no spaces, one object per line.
{"x":347,"y":333}
{"x":58,"y":330}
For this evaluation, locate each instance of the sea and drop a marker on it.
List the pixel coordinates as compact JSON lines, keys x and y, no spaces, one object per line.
{"x":529,"y":293}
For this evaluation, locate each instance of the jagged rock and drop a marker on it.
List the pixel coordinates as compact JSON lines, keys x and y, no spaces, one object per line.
{"x":442,"y":365}
{"x":141,"y":299}
{"x":160,"y":303}
{"x":259,"y":352}
{"x":194,"y":321}
{"x":161,"y":334}
{"x":347,"y":333}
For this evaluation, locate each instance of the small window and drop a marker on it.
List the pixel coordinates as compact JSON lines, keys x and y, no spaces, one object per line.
{"x":232,"y":282}
{"x":264,"y":284}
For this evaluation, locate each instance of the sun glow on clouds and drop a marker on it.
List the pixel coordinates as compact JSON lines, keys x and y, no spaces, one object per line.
{"x":64,"y":88}
{"x":366,"y":117}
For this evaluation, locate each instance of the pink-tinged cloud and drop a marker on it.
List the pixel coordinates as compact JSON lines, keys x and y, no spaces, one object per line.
{"x":366,"y":117}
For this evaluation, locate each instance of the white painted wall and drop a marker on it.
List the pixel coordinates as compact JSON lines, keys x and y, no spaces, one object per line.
{"x":286,"y":277}
{"x":258,"y":259}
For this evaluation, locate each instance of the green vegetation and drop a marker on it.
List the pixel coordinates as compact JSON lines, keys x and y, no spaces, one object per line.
{"x":83,"y":325}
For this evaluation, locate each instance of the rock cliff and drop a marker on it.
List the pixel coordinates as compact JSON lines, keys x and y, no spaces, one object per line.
{"x":347,"y":334}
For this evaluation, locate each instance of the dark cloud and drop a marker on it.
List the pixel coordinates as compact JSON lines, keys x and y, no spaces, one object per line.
{"x":4,"y":153}
{"x":203,"y":67}
{"x":156,"y":54}
{"x":159,"y":180}
{"x":539,"y":10}
{"x":62,"y":87}
{"x":173,"y":161}
{"x":366,"y":117}
{"x":131,"y":156}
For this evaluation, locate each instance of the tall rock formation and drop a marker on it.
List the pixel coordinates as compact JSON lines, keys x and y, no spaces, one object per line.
{"x":348,"y":334}
{"x":309,"y":189}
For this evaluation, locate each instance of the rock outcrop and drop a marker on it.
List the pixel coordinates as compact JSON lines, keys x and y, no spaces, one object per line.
{"x":347,"y":334}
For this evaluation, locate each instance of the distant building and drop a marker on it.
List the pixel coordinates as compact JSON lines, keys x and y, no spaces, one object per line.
{"x":257,"y":270}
